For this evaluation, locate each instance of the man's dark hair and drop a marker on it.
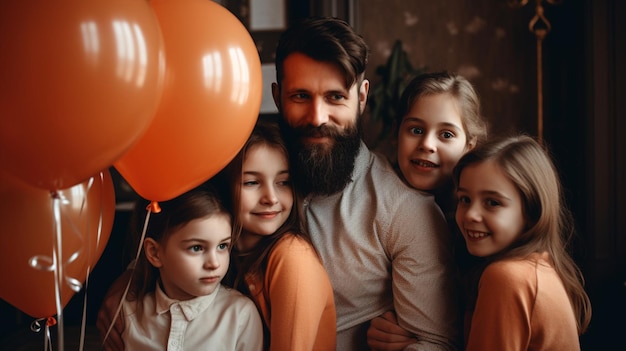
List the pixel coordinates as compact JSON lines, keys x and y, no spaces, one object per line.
{"x":325,"y":39}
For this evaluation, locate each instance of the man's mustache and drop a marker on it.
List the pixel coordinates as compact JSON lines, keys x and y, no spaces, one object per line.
{"x":318,"y":132}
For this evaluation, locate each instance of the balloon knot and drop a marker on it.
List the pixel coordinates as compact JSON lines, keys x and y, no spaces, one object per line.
{"x":154,"y":207}
{"x":50,"y":321}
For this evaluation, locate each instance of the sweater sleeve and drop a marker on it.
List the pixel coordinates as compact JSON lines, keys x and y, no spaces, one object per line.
{"x":299,"y":293}
{"x":423,"y":275}
{"x":502,"y":317}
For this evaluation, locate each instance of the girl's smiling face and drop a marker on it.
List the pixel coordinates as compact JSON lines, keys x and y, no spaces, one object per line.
{"x":266,"y":194}
{"x":431,"y":140}
{"x":490,"y":209}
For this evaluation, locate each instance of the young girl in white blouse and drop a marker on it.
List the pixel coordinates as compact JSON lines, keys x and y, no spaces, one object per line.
{"x":176,"y":301}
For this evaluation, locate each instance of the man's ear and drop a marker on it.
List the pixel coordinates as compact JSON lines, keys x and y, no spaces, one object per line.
{"x":151,"y":249}
{"x":363,"y":91}
{"x":276,"y":95}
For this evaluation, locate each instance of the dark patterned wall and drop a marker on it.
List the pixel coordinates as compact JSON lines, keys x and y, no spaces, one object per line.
{"x":486,"y":41}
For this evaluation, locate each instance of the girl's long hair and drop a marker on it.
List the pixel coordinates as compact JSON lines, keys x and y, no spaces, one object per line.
{"x":549,"y":223}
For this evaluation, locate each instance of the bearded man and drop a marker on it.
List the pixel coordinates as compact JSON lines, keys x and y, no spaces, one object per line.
{"x":385,"y":246}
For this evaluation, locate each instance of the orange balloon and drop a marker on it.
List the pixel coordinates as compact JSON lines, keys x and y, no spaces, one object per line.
{"x":210,"y":103}
{"x":28,"y":231}
{"x":80,"y":82}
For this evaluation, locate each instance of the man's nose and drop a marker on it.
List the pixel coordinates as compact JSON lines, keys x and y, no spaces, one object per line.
{"x":318,"y":113}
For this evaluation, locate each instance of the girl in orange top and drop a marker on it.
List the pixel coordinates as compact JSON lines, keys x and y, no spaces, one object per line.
{"x":529,"y":293}
{"x":274,"y":260}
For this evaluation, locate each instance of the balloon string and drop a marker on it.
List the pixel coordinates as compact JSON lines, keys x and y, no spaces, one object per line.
{"x":72,"y":282}
{"x":48,"y":339}
{"x":84,"y":317}
{"x":89,"y":254}
{"x":100,"y":218}
{"x":57,"y":254}
{"x":153,"y":207}
{"x":36,"y":327}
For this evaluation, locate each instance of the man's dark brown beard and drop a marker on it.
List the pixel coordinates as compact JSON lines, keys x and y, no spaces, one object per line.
{"x":322,"y":169}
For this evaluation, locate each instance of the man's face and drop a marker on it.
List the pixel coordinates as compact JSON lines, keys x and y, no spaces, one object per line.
{"x":321,"y":116}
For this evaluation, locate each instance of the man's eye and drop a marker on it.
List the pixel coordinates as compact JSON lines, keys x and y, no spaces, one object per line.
{"x":299,"y":97}
{"x":337,"y":97}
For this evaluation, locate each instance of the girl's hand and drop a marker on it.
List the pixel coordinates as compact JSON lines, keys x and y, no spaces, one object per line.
{"x":384,"y":334}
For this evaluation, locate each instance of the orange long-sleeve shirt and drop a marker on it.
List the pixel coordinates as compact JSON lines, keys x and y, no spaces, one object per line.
{"x":522,"y":305}
{"x":300,"y":309}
